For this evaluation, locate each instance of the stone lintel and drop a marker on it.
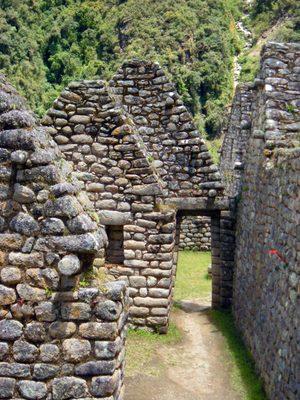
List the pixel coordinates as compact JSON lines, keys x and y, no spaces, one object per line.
{"x":199,"y":203}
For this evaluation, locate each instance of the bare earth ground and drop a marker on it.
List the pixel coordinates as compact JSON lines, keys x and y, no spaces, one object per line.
{"x":196,"y":368}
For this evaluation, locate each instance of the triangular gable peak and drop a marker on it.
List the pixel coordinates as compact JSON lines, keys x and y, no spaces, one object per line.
{"x":167,"y":129}
{"x":104,"y":144}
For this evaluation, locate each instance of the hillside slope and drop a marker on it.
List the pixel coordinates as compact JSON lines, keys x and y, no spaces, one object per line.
{"x":46,"y":44}
{"x":268,"y":20}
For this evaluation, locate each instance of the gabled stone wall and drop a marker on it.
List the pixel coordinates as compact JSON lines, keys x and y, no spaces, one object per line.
{"x":129,"y":157}
{"x":120,"y":178}
{"x":62,"y":331}
{"x":167,"y":129}
{"x":266,"y":283}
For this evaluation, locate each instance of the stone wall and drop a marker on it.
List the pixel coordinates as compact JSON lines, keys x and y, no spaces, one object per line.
{"x":236,"y":138}
{"x":266,"y":283}
{"x":134,"y":146}
{"x":195,"y":234}
{"x":62,"y":328}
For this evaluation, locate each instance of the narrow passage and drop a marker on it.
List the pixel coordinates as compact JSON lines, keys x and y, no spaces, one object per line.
{"x":193,"y":361}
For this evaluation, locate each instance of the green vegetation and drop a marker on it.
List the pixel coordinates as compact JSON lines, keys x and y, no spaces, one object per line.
{"x":46,"y":44}
{"x":192,"y":280}
{"x":244,"y":377}
{"x":265,"y":13}
{"x":141,"y":346}
{"x":269,"y":20}
{"x":250,"y":67}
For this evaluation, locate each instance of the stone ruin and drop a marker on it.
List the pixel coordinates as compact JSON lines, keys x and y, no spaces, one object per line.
{"x":195,"y":233}
{"x":260,"y":162}
{"x":58,"y":338}
{"x":93,"y":200}
{"x":144,"y":166}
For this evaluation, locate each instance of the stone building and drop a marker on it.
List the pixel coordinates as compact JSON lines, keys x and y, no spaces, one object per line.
{"x":93,"y":201}
{"x":62,"y":334}
{"x":144,"y":166}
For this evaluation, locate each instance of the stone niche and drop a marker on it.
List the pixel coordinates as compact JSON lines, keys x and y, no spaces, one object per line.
{"x":62,"y":329}
{"x":114,"y":253}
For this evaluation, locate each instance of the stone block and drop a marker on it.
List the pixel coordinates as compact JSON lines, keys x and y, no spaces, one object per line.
{"x":24,"y":351}
{"x":76,"y":350}
{"x":7,"y":388}
{"x":98,"y":330}
{"x":69,"y":388}
{"x":10,"y":329}
{"x":76,"y":311}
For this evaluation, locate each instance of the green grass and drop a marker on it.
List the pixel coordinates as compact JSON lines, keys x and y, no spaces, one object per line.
{"x":214,"y":147}
{"x":244,"y":377}
{"x":141,"y":346}
{"x":192,"y":280}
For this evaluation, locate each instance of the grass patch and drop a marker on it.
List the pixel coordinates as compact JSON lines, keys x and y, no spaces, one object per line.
{"x":244,"y":377}
{"x":140,"y":350}
{"x":214,"y":146}
{"x":192,"y":280}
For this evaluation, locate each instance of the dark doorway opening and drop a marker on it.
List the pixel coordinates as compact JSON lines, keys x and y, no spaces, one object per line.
{"x":115,"y":248}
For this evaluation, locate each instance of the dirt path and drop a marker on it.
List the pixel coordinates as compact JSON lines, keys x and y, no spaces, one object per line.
{"x":197,"y":368}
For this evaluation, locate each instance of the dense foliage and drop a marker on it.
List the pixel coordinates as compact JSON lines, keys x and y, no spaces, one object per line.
{"x":46,"y":43}
{"x":268,"y":20}
{"x":265,"y":13}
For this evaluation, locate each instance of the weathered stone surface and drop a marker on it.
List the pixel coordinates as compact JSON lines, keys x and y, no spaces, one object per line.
{"x":4,"y":348}
{"x":46,"y":311}
{"x":23,"y":194}
{"x":66,"y":206}
{"x":61,"y":330}
{"x":87,"y":243}
{"x":52,"y":226}
{"x":34,"y":259}
{"x":11,"y":241}
{"x":108,"y":310}
{"x":98,"y":330}
{"x":45,"y":371}
{"x":24,"y":224}
{"x":69,"y":388}
{"x":108,"y":350}
{"x":30,"y":293}
{"x":76,"y":350}
{"x":81,"y":224}
{"x":35,"y":332}
{"x":76,"y":311}
{"x":32,"y":390}
{"x":10,"y":276}
{"x":7,"y":387}
{"x":69,"y":265}
{"x":104,"y":385}
{"x":95,"y":368}
{"x":24,"y":351}
{"x":10,"y":329}
{"x":114,"y":217}
{"x":7,"y":295}
{"x":49,"y":353}
{"x":14,"y":370}
{"x":146,"y":190}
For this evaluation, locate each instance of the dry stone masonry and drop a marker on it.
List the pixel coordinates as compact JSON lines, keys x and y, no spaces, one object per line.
{"x":61,"y":335}
{"x":93,"y":202}
{"x":135,"y":149}
{"x":261,"y":153}
{"x":195,"y":233}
